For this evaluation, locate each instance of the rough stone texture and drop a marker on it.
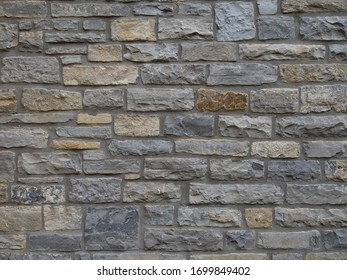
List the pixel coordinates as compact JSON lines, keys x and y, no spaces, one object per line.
{"x":287,"y":256}
{"x":7,"y":166}
{"x":324,"y":28}
{"x":338,"y":52}
{"x":136,"y":125}
{"x":335,"y":239}
{"x":276,"y":27}
{"x":62,"y":218}
{"x":159,"y":215}
{"x":209,"y":51}
{"x":133,"y":29}
{"x":258,"y":217}
{"x":105,"y":53}
{"x":8,"y":102}
{"x":194,"y":9}
{"x":66,"y":50}
{"x":35,"y":118}
{"x":74,"y":145}
{"x":327,"y":256}
{"x":35,"y":256}
{"x":31,"y":41}
{"x":55,"y":242}
{"x":97,"y":119}
{"x":8,"y":35}
{"x":103,"y":98}
{"x":276,"y":149}
{"x":64,"y":37}
{"x":23,"y":9}
{"x":140,"y":147}
{"x":92,"y":24}
{"x":325,"y":149}
{"x":336,"y":170}
{"x":112,"y":166}
{"x":149,"y":9}
{"x":299,"y":6}
{"x":293,"y":169}
{"x":232,"y":256}
{"x":239,"y":240}
{"x":267,"y":7}
{"x":23,"y":137}
{"x":103,"y":132}
{"x":29,"y":194}
{"x":20,"y":218}
{"x":13,"y":242}
{"x":3,"y":193}
{"x":151,"y":52}
{"x":138,"y":256}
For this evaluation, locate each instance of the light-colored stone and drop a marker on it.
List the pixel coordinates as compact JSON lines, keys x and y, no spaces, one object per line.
{"x":132,"y":125}
{"x":7,"y":167}
{"x":112,"y":166}
{"x":213,"y":51}
{"x":84,"y":118}
{"x":71,"y":59}
{"x":258,"y":217}
{"x":231,"y":256}
{"x":8,"y":35}
{"x":65,"y":37}
{"x":31,"y":41}
{"x":18,"y":137}
{"x":267,"y":7}
{"x":151,"y":52}
{"x":104,"y":53}
{"x":62,"y":217}
{"x":311,"y":6}
{"x":8,"y":101}
{"x":13,"y":241}
{"x":276,"y":149}
{"x":20,"y":218}
{"x":74,"y":145}
{"x":336,"y":170}
{"x":133,"y":29}
{"x":42,"y":180}
{"x":38,"y":194}
{"x":326,"y":256}
{"x":276,"y":27}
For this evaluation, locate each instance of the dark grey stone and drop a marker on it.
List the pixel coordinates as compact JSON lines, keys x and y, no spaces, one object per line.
{"x":324,"y":28}
{"x":34,"y":256}
{"x":325,"y":149}
{"x":335,"y":239}
{"x":85,"y":132}
{"x":194,"y":9}
{"x":293,"y":169}
{"x":112,"y":166}
{"x":159,"y":215}
{"x":276,"y":27}
{"x":55,"y":241}
{"x":338,"y":52}
{"x":239,"y":240}
{"x":29,"y":194}
{"x":103,"y":98}
{"x":7,"y":167}
{"x":65,"y":25}
{"x":140,"y":147}
{"x":8,"y":35}
{"x":87,"y":37}
{"x":153,"y":9}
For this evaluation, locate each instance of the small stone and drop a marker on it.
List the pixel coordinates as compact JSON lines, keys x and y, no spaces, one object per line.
{"x":94,"y":155}
{"x":194,"y":9}
{"x":84,"y":118}
{"x":8,"y":35}
{"x":104,"y":53}
{"x":35,"y":256}
{"x":13,"y":241}
{"x":311,"y":6}
{"x":74,"y":145}
{"x":151,"y":52}
{"x":103,"y":98}
{"x":115,"y":166}
{"x":267,"y":7}
{"x":42,"y":180}
{"x":71,"y":59}
{"x":325,"y":149}
{"x":293,"y":169}
{"x":232,"y":256}
{"x":42,"y":118}
{"x":159,"y":215}
{"x":23,"y":9}
{"x":133,"y":29}
{"x":62,"y":217}
{"x":276,"y":27}
{"x":93,"y":24}
{"x":18,"y":137}
{"x":8,"y":102}
{"x":31,"y":41}
{"x":338,"y":52}
{"x":154,"y":9}
{"x":140,"y":147}
{"x":55,"y":241}
{"x":29,"y":194}
{"x":276,"y":149}
{"x":288,"y":256}
{"x":209,"y":51}
{"x":102,"y":132}
{"x":258,"y":217}
{"x":335,"y":239}
{"x":66,"y":50}
{"x":239,"y":240}
{"x":65,"y":37}
{"x":336,"y":170}
{"x":327,"y":256}
{"x":3,"y":192}
{"x":65,"y":25}
{"x":20,"y":218}
{"x":136,"y":125}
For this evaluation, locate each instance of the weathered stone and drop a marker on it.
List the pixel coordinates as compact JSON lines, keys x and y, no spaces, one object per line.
{"x":62,"y":217}
{"x":324,"y":28}
{"x":231,"y":169}
{"x":310,"y":6}
{"x":175,"y":168}
{"x":242,"y":74}
{"x":91,"y":119}
{"x":136,"y":125}
{"x":103,"y":98}
{"x":159,"y":215}
{"x":94,"y":24}
{"x":31,"y":41}
{"x":115,"y":166}
{"x":42,"y":180}
{"x":312,"y":126}
{"x":8,"y":102}
{"x":103,"y":132}
{"x":151,"y":192}
{"x":276,"y":149}
{"x":13,"y":241}
{"x":55,"y":242}
{"x":189,"y":125}
{"x":335,"y":239}
{"x":151,"y":52}
{"x":276,"y":27}
{"x":287,"y":256}
{"x":94,"y":155}
{"x":23,"y":9}
{"x":160,"y":99}
{"x":36,"y":69}
{"x":325,"y":149}
{"x":7,"y":166}
{"x":37,"y":118}
{"x":212,"y":100}
{"x":235,"y":194}
{"x":326,"y":256}
{"x":267,"y":7}
{"x":74,"y":145}
{"x":239,"y":240}
{"x":153,"y":9}
{"x":89,"y":10}
{"x":185,"y":28}
{"x":95,"y":190}
{"x":336,"y":170}
{"x":100,"y":75}
{"x":40,"y":99}
{"x":235,"y":21}
{"x":140,"y":147}
{"x":173,"y":74}
{"x":234,"y":126}
{"x":34,"y":256}
{"x":18,"y":137}
{"x":293,"y":169}
{"x":64,"y":37}
{"x":219,"y":147}
{"x":133,"y":29}
{"x":49,"y":163}
{"x":3,"y":193}
{"x":275,"y":100}
{"x":338,"y":52}
{"x":232,"y":256}
{"x":112,"y":228}
{"x":66,"y":50}
{"x":138,"y":256}
{"x":209,"y":51}
{"x":194,"y":9}
{"x":209,"y":217}
{"x":302,"y":217}
{"x":316,"y":194}
{"x":8,"y":35}
{"x":258,"y":217}
{"x":289,"y":240}
{"x":71,"y":59}
{"x":104,"y":53}
{"x":183,"y":240}
{"x":65,"y":25}
{"x":281,"y":52}
{"x":20,"y":218}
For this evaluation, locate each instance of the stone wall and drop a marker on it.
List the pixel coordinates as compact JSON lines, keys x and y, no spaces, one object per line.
{"x":173,"y":129}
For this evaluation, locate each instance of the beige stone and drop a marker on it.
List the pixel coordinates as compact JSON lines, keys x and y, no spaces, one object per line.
{"x":20,"y":218}
{"x":327,"y":256}
{"x":3,"y":193}
{"x":97,"y":119}
{"x":133,"y":29}
{"x":105,"y":53}
{"x":276,"y":149}
{"x":311,"y":6}
{"x":74,"y":145}
{"x":62,"y":217}
{"x":258,"y":217}
{"x":125,"y":125}
{"x":232,"y":256}
{"x":8,"y":101}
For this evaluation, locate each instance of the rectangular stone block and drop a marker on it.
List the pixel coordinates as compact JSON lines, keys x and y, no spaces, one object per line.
{"x":209,"y":51}
{"x":335,"y":239}
{"x":159,"y":215}
{"x":91,"y":119}
{"x":338,"y":51}
{"x":23,"y":138}
{"x":31,"y":41}
{"x":324,"y":28}
{"x":276,"y":149}
{"x":8,"y":35}
{"x":325,"y":149}
{"x":13,"y":241}
{"x":267,"y":7}
{"x":194,"y":9}
{"x":242,"y":74}
{"x":336,"y":170}
{"x":112,"y":166}
{"x":276,"y":27}
{"x":71,"y":59}
{"x":3,"y":193}
{"x":235,"y":194}
{"x":153,"y":9}
{"x":20,"y":218}
{"x":140,"y":147}
{"x":133,"y":29}
{"x":231,"y":256}
{"x":293,"y":169}
{"x":62,"y":217}
{"x":7,"y":166}
{"x":35,"y":256}
{"x":288,"y":256}
{"x":37,"y":194}
{"x":239,"y":240}
{"x":326,"y":256}
{"x":65,"y":25}
{"x":74,"y":145}
{"x":23,"y":9}
{"x":102,"y":132}
{"x":64,"y":37}
{"x":37,"y":118}
{"x":94,"y":24}
{"x":68,"y":242}
{"x":40,"y":180}
{"x":94,"y":155}
{"x":136,"y":125}
{"x":8,"y":102}
{"x":38,"y":69}
{"x":310,"y":6}
{"x":66,"y":50}
{"x":103,"y":98}
{"x":104,"y":53}
{"x":138,"y":256}
{"x":151,"y":52}
{"x":258,"y":217}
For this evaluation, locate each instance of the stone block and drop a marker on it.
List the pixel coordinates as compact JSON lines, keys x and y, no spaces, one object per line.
{"x":133,"y":29}
{"x":136,"y":125}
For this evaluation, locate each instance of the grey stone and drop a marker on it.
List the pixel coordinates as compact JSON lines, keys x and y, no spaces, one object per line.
{"x":218,"y":147}
{"x":95,"y":190}
{"x":65,"y":25}
{"x":312,"y":126}
{"x":25,"y":24}
{"x":335,"y":239}
{"x":235,"y":194}
{"x":209,"y":217}
{"x":276,"y":27}
{"x":173,"y":74}
{"x":289,"y":240}
{"x":338,"y":52}
{"x":325,"y":149}
{"x":3,"y":192}
{"x":8,"y":35}
{"x":71,"y":59}
{"x":42,"y":180}
{"x":30,"y":194}
{"x":231,"y":169}
{"x":160,"y":99}
{"x":302,"y":217}
{"x":287,"y":256}
{"x":293,"y":169}
{"x":241,"y":127}
{"x":138,"y":256}
{"x":103,"y":132}
{"x":153,"y":9}
{"x":175,"y":168}
{"x":159,"y":215}
{"x":151,"y":52}
{"x":18,"y":137}
{"x":112,"y":166}
{"x":7,"y":166}
{"x":94,"y":24}
{"x":275,"y":100}
{"x":55,"y":242}
{"x":86,"y":37}
{"x":112,"y":228}
{"x":13,"y":241}
{"x":37,"y":118}
{"x":103,"y":98}
{"x":185,"y":28}
{"x":20,"y":218}
{"x":242,"y":74}
{"x":311,"y":6}
{"x":316,"y":194}
{"x":34,"y":256}
{"x":140,"y":147}
{"x":66,"y":50}
{"x":267,"y":7}
{"x":151,"y":192}
{"x":18,"y":69}
{"x":209,"y":51}
{"x":94,"y":155}
{"x":194,"y":9}
{"x":336,"y":170}
{"x":49,"y":163}
{"x":183,"y":240}
{"x":239,"y":240}
{"x":23,"y":9}
{"x":189,"y":125}
{"x":235,"y":21}
{"x":324,"y":28}
{"x":231,"y":256}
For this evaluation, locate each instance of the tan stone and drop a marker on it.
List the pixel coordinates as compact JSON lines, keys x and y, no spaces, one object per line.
{"x":131,"y":176}
{"x":211,"y":100}
{"x":136,"y":125}
{"x":258,"y":217}
{"x":232,"y":256}
{"x":105,"y":53}
{"x":8,"y":101}
{"x":276,"y":149}
{"x":74,"y":145}
{"x":3,"y":193}
{"x":327,"y":256}
{"x":20,"y":218}
{"x":90,"y":119}
{"x":62,"y":217}
{"x":133,"y":29}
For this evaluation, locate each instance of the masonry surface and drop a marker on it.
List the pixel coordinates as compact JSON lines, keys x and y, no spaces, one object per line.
{"x":173,"y":129}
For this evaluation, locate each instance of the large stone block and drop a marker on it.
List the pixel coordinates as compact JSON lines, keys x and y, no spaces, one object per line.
{"x":31,"y":41}
{"x":55,"y":242}
{"x":140,"y":147}
{"x":294,"y":169}
{"x":23,"y":9}
{"x":267,"y":7}
{"x":85,"y":37}
{"x":310,"y":6}
{"x":209,"y":51}
{"x":194,"y":9}
{"x":335,"y":239}
{"x":75,"y":145}
{"x":276,"y":149}
{"x":151,"y":52}
{"x":112,"y":166}
{"x":8,"y":35}
{"x":37,"y":118}
{"x":7,"y":166}
{"x":325,"y":149}
{"x":104,"y":53}
{"x":20,"y":218}
{"x":324,"y":28}
{"x":276,"y":27}
{"x":159,"y":215}
{"x":13,"y":241}
{"x":62,"y":217}
{"x":336,"y":170}
{"x":37,"y":194}
{"x":103,"y":98}
{"x":326,"y":256}
{"x":338,"y":51}
{"x":8,"y":101}
{"x":258,"y":217}
{"x":18,"y":137}
{"x":136,"y":125}
{"x":133,"y":29}
{"x":231,"y":256}
{"x":153,"y":9}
